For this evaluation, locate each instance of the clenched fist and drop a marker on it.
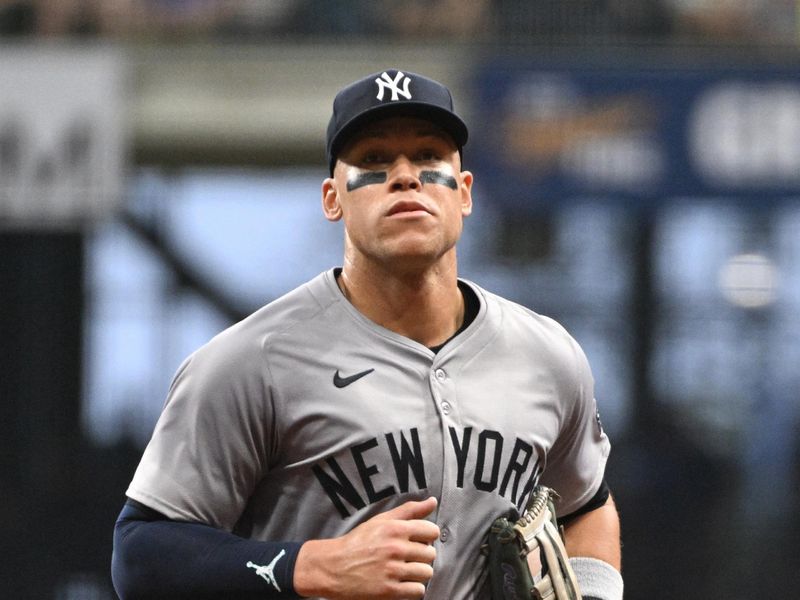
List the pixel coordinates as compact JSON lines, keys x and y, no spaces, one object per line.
{"x":389,"y":556}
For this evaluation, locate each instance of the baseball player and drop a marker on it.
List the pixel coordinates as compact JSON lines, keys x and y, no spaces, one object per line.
{"x":356,"y":437}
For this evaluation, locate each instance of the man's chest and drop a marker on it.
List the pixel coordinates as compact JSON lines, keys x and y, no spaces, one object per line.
{"x":370,"y":427}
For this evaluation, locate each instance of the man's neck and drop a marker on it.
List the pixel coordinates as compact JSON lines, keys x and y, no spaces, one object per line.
{"x":424,"y":306}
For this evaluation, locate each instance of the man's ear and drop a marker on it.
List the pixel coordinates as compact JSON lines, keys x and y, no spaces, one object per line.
{"x":330,"y":200}
{"x":466,"y":193}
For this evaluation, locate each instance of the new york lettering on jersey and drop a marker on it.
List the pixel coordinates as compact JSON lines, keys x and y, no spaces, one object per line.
{"x":388,"y":465}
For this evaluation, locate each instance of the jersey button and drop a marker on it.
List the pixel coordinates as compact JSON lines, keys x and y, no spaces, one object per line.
{"x":441,"y":375}
{"x":444,"y":535}
{"x":446,"y":407}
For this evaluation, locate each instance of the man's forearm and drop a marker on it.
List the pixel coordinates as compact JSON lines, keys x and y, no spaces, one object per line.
{"x":593,"y":542}
{"x":169,"y":559}
{"x":596,"y":534}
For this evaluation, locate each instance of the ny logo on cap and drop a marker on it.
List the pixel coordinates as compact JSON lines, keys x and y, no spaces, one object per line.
{"x":384,"y":81}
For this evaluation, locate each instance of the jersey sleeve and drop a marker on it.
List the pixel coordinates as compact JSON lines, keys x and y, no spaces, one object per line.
{"x":212,"y":442}
{"x":576,"y":462}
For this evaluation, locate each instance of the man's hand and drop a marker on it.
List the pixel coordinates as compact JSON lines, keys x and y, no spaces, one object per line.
{"x":388,"y":556}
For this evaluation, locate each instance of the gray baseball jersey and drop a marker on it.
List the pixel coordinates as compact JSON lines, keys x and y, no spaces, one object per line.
{"x":306,"y":418}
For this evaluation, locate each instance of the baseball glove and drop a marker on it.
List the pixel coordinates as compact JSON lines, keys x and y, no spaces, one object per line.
{"x":509,"y":543}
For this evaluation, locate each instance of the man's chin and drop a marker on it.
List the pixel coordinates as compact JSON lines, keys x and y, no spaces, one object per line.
{"x":417,"y":257}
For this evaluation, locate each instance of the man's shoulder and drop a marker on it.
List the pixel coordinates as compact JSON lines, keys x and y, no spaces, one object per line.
{"x":515,"y":313}
{"x":297,"y":308}
{"x":527,"y":330}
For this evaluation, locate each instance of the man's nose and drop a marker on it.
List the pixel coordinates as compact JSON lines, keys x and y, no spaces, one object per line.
{"x":403,"y":175}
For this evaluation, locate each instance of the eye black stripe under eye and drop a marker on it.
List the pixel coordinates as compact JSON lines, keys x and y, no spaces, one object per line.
{"x":438,"y":177}
{"x":365,"y":178}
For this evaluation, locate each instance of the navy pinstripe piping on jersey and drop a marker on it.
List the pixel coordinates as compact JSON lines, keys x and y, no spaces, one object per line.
{"x":341,"y":382}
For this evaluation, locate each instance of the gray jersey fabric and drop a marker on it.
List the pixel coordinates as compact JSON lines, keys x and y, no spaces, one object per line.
{"x":267,"y":431}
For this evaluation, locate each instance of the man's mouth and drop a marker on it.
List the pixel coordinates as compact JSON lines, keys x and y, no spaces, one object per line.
{"x":405,"y":206}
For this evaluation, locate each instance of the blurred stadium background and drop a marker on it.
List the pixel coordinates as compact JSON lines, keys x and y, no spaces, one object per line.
{"x":638,"y":169}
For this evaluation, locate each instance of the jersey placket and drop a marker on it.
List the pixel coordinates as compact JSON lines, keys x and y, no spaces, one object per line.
{"x":442,"y":388}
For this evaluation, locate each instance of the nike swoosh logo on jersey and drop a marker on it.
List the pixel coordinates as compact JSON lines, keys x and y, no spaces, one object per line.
{"x":341,"y":382}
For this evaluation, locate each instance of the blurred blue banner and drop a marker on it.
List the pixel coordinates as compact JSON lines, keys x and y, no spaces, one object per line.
{"x":547,"y":133}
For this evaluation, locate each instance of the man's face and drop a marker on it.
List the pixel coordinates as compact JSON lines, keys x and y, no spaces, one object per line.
{"x":400,"y":191}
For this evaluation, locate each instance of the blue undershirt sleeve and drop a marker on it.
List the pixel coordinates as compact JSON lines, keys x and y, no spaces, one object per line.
{"x":155,"y":557}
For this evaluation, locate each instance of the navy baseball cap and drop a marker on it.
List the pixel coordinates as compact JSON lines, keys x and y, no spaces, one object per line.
{"x":391,"y":93}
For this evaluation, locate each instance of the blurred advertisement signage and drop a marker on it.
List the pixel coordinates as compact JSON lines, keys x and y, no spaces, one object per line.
{"x":61,"y":135}
{"x":552,"y":133}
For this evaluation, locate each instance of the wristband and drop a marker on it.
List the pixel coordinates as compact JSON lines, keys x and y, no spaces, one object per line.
{"x":597,"y":579}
